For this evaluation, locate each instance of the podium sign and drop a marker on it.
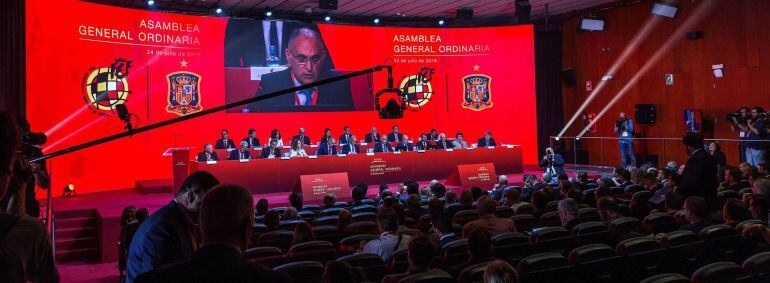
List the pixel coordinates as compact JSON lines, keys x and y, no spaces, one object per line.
{"x":316,"y":186}
{"x":480,"y":175}
{"x":180,"y":167}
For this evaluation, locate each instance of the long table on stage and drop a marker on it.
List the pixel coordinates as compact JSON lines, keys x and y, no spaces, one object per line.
{"x":282,"y":175}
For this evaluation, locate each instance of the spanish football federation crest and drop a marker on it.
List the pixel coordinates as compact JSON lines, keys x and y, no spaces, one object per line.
{"x":417,"y":88}
{"x":106,"y":87}
{"x":477,"y":91}
{"x":183,"y":93}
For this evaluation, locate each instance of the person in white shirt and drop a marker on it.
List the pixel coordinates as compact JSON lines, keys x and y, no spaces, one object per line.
{"x":459,"y":142}
{"x":275,"y":135}
{"x":297,"y":149}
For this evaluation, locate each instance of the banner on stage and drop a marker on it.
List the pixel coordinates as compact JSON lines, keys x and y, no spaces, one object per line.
{"x":480,"y":175}
{"x":316,"y":186}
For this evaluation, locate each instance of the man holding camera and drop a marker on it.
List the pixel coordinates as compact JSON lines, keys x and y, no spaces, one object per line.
{"x":552,"y":162}
{"x":755,"y":129}
{"x":625,"y":127}
{"x":737,"y":119}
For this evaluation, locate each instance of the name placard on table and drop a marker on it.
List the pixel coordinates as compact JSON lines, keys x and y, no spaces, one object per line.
{"x":316,"y":186}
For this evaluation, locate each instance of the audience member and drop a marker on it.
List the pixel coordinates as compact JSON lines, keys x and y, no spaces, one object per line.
{"x":226,"y":218}
{"x":439,"y":190}
{"x":170,"y":234}
{"x":673,"y":202}
{"x":608,"y":210}
{"x":442,"y":227}
{"x":290,"y":214}
{"x":414,"y":208}
{"x":345,"y":219}
{"x":295,"y":201}
{"x":499,"y":271}
{"x":358,"y":194}
{"x":479,"y":250}
{"x":759,"y":206}
{"x":389,"y":240}
{"x":761,"y":187}
{"x":261,"y":207}
{"x":487,"y":221}
{"x":511,"y":197}
{"x":732,"y":176}
{"x":699,"y":177}
{"x":568,"y":210}
{"x":696,"y":213}
{"x":734,"y":212}
{"x":476,"y":193}
{"x":272,"y":218}
{"x":329,"y":201}
{"x":539,"y":203}
{"x":420,"y":254}
{"x":340,"y":272}
{"x":450,"y":197}
{"x":435,"y":206}
{"x":302,"y":233}
{"x":497,"y":190}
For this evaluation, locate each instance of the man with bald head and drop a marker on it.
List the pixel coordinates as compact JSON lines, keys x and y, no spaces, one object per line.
{"x":305,"y":55}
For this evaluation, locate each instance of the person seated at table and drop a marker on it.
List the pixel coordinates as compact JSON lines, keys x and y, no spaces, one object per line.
{"x":404,"y":145}
{"x":240,"y":153}
{"x":208,"y":154}
{"x":327,"y":134}
{"x":395,"y":136}
{"x":459,"y":142}
{"x":372,"y":137}
{"x":252,"y":139}
{"x":487,"y":140}
{"x":345,"y":137}
{"x":351,"y":147}
{"x":327,"y":147}
{"x":433,"y":135}
{"x":224,"y":142}
{"x":442,"y":142}
{"x":383,"y":145}
{"x":297,"y":149}
{"x":423,"y":143}
{"x":301,"y":136}
{"x":271,"y":151}
{"x":275,"y":134}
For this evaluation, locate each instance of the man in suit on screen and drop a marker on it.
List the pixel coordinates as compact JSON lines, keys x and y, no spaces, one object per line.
{"x":305,"y":55}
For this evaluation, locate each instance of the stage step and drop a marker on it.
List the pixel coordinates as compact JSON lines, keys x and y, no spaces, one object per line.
{"x":77,"y":235}
{"x":150,"y":187}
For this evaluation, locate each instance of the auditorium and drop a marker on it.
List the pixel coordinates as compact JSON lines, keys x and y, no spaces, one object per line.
{"x":399,"y":141}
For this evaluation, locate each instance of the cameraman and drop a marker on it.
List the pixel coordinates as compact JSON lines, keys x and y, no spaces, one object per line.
{"x":552,"y":162}
{"x":625,"y":127}
{"x":30,"y":148}
{"x":756,"y":131}
{"x":737,"y":119}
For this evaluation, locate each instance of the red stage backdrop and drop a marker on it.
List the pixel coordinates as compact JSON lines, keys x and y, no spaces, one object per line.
{"x":84,"y":58}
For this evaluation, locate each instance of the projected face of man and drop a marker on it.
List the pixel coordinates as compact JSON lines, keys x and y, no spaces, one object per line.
{"x":306,"y":55}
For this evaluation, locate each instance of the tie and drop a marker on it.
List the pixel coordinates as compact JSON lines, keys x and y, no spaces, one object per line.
{"x":306,"y":96}
{"x":208,"y":156}
{"x":383,"y":147}
{"x":241,"y":153}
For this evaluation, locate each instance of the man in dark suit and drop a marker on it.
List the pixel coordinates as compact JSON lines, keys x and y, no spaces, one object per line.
{"x":395,"y":136}
{"x":442,"y":142}
{"x":372,"y":137}
{"x":345,"y":137}
{"x":552,"y":162}
{"x":351,"y":147}
{"x":305,"y":55}
{"x":226,"y":219}
{"x":169,"y":235}
{"x":208,"y":154}
{"x":442,"y":225}
{"x":433,"y":135}
{"x":273,"y":150}
{"x":327,"y":148}
{"x":241,"y":153}
{"x":487,"y":140}
{"x":423,"y":143}
{"x":248,"y":42}
{"x":225,"y":142}
{"x":252,"y":139}
{"x":404,"y":145}
{"x":383,"y":145}
{"x":302,"y":137}
{"x":699,"y":177}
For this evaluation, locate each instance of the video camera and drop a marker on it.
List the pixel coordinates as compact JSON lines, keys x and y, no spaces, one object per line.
{"x":737,"y":115}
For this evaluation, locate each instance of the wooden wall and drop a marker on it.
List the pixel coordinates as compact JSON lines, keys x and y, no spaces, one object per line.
{"x":736,"y":33}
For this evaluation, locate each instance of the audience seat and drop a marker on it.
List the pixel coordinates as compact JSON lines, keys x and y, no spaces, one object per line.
{"x":722,"y":243}
{"x":411,"y":232}
{"x":363,"y":227}
{"x":473,"y":273}
{"x":552,"y":205}
{"x":330,"y":220}
{"x":723,"y":271}
{"x":410,"y":222}
{"x":542,"y":267}
{"x":592,"y":232}
{"x":307,"y":215}
{"x":364,"y":208}
{"x":553,"y":239}
{"x":320,"y":251}
{"x":331,"y":211}
{"x":373,"y":265}
{"x":758,"y":266}
{"x":464,"y":216}
{"x":350,"y":244}
{"x":280,"y":210}
{"x":625,"y":226}
{"x":303,"y":271}
{"x":511,"y":246}
{"x":341,"y":204}
{"x":588,"y":214}
{"x":679,"y":217}
{"x":504,"y":212}
{"x":524,"y":222}
{"x":723,"y":196}
{"x":454,"y":252}
{"x":740,"y":226}
{"x":596,"y":263}
{"x":424,"y":223}
{"x":432,"y":276}
{"x":364,"y":216}
{"x":550,"y":219}
{"x":659,"y":223}
{"x":268,"y":256}
{"x":368,"y":201}
{"x":523,"y":208}
{"x":289,"y":225}
{"x":312,"y":207}
{"x":278,"y":239}
{"x":257,"y":229}
{"x":684,"y":248}
{"x":327,"y":233}
{"x":743,"y":192}
{"x":617,"y":192}
{"x":667,"y":278}
{"x":457,"y":229}
{"x":589,"y":197}
{"x":633,"y":189}
{"x":398,"y":262}
{"x":641,"y":255}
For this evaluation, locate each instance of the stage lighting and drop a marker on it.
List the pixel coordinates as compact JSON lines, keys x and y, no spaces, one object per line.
{"x":69,"y":190}
{"x":592,"y":24}
{"x":557,"y":138}
{"x":665,"y":9}
{"x":219,"y":10}
{"x":150,"y":3}
{"x":308,"y":10}
{"x":269,"y":13}
{"x":376,"y":21}
{"x":327,"y":18}
{"x":441,"y":22}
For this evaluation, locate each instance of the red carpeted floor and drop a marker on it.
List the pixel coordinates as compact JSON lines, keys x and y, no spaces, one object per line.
{"x":111,"y":203}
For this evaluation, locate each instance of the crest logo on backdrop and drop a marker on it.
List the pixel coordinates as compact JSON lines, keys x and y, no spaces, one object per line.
{"x":106,"y":87}
{"x":183,"y":93}
{"x":477,"y":93}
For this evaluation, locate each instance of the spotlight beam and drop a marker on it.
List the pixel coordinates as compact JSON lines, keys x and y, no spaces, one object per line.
{"x":698,"y":14}
{"x":634,"y":44}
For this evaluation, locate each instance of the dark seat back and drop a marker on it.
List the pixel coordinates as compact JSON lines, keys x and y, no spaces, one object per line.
{"x":432,"y":276}
{"x":474,"y":273}
{"x":592,"y":232}
{"x":331,"y":220}
{"x":723,"y":271}
{"x":289,"y":225}
{"x":320,"y":251}
{"x":331,"y":211}
{"x":588,"y":214}
{"x":363,"y":227}
{"x":327,"y":233}
{"x":758,"y":266}
{"x":504,"y":212}
{"x":722,"y":242}
{"x":550,"y":219}
{"x":351,"y":244}
{"x":269,"y":256}
{"x":278,"y":239}
{"x":364,"y":208}
{"x":373,"y":266}
{"x":659,"y":223}
{"x":464,"y":216}
{"x":541,"y":261}
{"x":667,"y":278}
{"x":454,"y":252}
{"x":641,"y":255}
{"x":589,"y":252}
{"x":523,"y":208}
{"x":364,"y":216}
{"x":524,"y":222}
{"x":303,"y":271}
{"x":625,"y":225}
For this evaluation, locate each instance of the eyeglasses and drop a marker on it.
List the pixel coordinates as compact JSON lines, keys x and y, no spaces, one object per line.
{"x":302,"y":59}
